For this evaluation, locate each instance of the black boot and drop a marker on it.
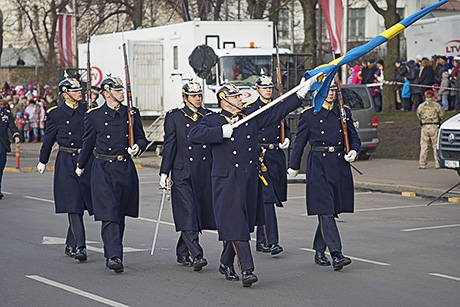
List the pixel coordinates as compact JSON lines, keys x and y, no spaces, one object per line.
{"x":80,"y":254}
{"x":248,"y":278}
{"x":199,"y":263}
{"x":228,"y":271}
{"x":321,"y":259}
{"x":339,"y":261}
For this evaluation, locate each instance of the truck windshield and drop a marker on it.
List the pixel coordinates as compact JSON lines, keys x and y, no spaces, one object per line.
{"x":244,"y":70}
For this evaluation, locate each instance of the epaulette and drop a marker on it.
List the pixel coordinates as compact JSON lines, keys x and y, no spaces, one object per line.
{"x":173,"y":110}
{"x":51,"y":109}
{"x":346,"y":106}
{"x":307,"y":108}
{"x":247,"y":104}
{"x":92,"y":109}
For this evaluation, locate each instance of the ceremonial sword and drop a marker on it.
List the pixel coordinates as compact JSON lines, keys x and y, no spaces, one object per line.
{"x":162,"y":202}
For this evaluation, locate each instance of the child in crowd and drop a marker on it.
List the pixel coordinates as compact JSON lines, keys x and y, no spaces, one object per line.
{"x":405,"y":96}
{"x":20,"y":123}
{"x":26,"y":128}
{"x":443,"y":91}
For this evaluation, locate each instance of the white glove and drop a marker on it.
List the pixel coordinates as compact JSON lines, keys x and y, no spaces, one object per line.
{"x":351,"y":156}
{"x":285,"y":144}
{"x":162,"y":182}
{"x":292,"y":172}
{"x":227,"y":131}
{"x":41,"y":167}
{"x":133,"y":150}
{"x":79,"y":171}
{"x":306,"y":86}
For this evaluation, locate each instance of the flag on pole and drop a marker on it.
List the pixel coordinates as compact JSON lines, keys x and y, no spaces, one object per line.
{"x":330,"y":69}
{"x":65,"y":40}
{"x":333,"y":12}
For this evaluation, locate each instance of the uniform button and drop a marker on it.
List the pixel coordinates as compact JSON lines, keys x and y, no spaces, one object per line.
{"x":320,"y":120}
{"x":204,"y":146}
{"x":190,"y":148}
{"x":70,"y":133}
{"x":277,"y":137}
{"x":338,"y":154}
{"x":324,"y":143}
{"x":127,"y":121}
{"x":106,"y":123}
{"x":248,"y":136}
{"x":246,"y":124}
{"x":67,"y":122}
{"x":250,"y":161}
{"x":71,"y":144}
{"x":108,"y":136}
{"x":340,"y":143}
{"x":73,"y":154}
{"x":263,"y":129}
{"x":204,"y":158}
{"x":324,"y":154}
{"x":109,"y":149}
{"x":234,"y":152}
{"x":110,"y":161}
{"x":278,"y":126}
{"x":236,"y":165}
{"x":322,"y":132}
{"x":340,"y":130}
{"x":187,"y":125}
{"x":191,"y":159}
{"x":249,"y":149}
{"x":232,"y":139}
{"x":127,"y":135}
{"x":263,"y":139}
{"x":126,"y":148}
{"x":106,"y":114}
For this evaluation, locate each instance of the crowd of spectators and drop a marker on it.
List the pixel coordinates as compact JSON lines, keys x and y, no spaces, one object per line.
{"x":28,"y":106}
{"x":414,"y":78}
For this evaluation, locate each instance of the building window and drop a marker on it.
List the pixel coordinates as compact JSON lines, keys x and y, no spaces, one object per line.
{"x":283,"y":24}
{"x":175,"y":58}
{"x":356,"y":20}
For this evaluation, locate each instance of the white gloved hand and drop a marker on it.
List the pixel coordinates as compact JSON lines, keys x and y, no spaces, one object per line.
{"x":162,"y":182}
{"x":351,"y":156}
{"x":285,"y":144}
{"x":292,"y":172}
{"x":227,"y":131}
{"x":79,"y":171}
{"x":41,"y":167}
{"x":133,"y":150}
{"x":306,"y":86}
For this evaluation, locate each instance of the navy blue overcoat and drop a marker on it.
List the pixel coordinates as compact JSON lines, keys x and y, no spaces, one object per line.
{"x":64,"y":125}
{"x":237,"y":200}
{"x":190,"y":167}
{"x":328,"y":175}
{"x":114,"y":184}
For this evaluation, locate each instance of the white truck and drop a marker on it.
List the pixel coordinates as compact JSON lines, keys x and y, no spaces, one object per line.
{"x":159,"y":66}
{"x":440,"y":35}
{"x":448,"y":147}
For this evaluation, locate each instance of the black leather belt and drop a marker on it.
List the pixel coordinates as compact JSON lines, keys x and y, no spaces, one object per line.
{"x":327,"y":148}
{"x":69,"y":149}
{"x":116,"y":158}
{"x":269,"y":146}
{"x":423,"y":124}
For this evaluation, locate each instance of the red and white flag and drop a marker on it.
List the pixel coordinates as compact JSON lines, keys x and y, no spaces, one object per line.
{"x":333,"y":12}
{"x":65,"y":40}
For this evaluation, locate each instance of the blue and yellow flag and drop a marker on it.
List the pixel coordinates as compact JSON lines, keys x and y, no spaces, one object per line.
{"x":330,"y":69}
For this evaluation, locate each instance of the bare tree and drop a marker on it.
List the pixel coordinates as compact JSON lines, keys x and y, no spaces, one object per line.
{"x":391,"y":17}
{"x":310,"y":43}
{"x":256,"y":8}
{"x":1,"y":32}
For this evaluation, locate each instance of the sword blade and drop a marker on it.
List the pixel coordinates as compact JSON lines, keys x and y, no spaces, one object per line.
{"x":157,"y":227}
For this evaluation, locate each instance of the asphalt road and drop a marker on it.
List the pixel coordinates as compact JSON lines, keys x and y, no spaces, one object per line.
{"x":404,"y":254}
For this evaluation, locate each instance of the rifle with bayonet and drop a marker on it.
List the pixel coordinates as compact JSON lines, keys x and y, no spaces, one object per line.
{"x":279,"y":82}
{"x":129,"y":100}
{"x":88,"y":76}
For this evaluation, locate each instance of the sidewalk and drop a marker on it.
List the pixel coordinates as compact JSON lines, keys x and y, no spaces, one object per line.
{"x":378,"y":174}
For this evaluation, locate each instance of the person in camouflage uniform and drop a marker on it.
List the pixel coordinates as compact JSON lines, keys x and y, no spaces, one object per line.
{"x":430,"y":114}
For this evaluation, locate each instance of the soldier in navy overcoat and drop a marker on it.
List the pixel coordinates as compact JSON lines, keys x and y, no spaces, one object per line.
{"x":237,"y":201}
{"x":114,"y":184}
{"x":328,"y":174}
{"x":273,"y":171}
{"x":5,"y":146}
{"x":72,"y":194}
{"x":190,"y":168}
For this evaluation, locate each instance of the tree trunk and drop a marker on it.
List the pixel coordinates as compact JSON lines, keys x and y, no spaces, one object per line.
{"x":1,"y":33}
{"x":137,"y":13}
{"x":310,"y":43}
{"x":256,"y":8}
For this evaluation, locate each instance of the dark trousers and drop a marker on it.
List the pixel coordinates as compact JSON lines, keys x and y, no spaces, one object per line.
{"x":2,"y":164}
{"x":188,"y":244}
{"x":327,"y":235}
{"x":268,"y":233}
{"x":241,"y":250}
{"x":112,"y":237}
{"x":76,"y":232}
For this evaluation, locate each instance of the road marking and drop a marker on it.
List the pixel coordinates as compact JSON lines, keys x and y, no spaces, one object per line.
{"x":431,"y":227}
{"x":8,"y":193}
{"x":148,"y":182}
{"x":354,"y":258}
{"x":40,"y":199}
{"x":444,"y":276}
{"x":170,"y":224}
{"x":56,"y":240}
{"x":76,"y":291}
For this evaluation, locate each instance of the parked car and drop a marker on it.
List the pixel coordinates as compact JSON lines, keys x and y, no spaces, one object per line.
{"x":359,"y":99}
{"x":448,"y":147}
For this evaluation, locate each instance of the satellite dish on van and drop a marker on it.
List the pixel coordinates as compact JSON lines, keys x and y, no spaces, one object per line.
{"x":202,"y":59}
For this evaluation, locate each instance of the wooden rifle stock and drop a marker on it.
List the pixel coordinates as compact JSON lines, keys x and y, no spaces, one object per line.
{"x":129,"y":100}
{"x":343,"y":115}
{"x":88,"y":77}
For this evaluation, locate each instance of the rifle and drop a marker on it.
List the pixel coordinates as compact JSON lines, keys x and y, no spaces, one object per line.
{"x":130,"y":100}
{"x":88,"y":76}
{"x":279,"y":82}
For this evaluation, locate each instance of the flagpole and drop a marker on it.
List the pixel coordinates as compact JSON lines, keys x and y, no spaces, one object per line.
{"x":345,"y":39}
{"x":75,"y":33}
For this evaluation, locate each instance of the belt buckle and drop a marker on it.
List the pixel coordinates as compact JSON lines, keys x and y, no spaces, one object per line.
{"x":119,"y":158}
{"x":330,"y":148}
{"x":271,"y":146}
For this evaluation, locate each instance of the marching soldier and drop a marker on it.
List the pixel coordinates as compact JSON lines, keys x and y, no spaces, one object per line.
{"x":115,"y":184}
{"x":72,"y":194}
{"x":329,"y":178}
{"x":5,"y":146}
{"x":273,"y":171}
{"x":237,"y":201}
{"x":190,"y":168}
{"x":430,"y":114}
